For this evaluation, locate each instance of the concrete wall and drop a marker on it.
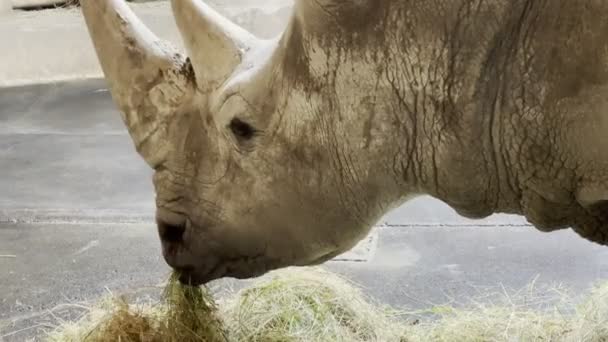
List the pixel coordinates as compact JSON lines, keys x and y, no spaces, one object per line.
{"x":5,"y":7}
{"x":34,"y":3}
{"x":52,"y":45}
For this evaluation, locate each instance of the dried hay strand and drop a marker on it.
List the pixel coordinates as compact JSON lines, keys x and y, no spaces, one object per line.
{"x":310,"y":304}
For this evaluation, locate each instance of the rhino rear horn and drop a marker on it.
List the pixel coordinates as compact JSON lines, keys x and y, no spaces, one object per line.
{"x":215,"y":44}
{"x":149,"y":80}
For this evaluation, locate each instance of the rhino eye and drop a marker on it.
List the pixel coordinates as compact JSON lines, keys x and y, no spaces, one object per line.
{"x":241,"y":129}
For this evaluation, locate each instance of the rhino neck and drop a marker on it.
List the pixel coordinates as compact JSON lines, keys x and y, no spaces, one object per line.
{"x":407,"y":104}
{"x":411,"y":104}
{"x":445,"y":85}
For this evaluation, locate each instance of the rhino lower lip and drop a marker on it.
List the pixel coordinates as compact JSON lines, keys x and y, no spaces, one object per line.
{"x":190,"y":276}
{"x":195,"y":277}
{"x":187,"y":276}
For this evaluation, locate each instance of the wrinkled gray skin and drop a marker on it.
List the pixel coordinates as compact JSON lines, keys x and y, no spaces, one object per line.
{"x":285,"y":152}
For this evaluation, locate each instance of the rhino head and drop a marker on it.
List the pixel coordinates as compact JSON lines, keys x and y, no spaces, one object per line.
{"x":274,"y":153}
{"x":257,"y":163}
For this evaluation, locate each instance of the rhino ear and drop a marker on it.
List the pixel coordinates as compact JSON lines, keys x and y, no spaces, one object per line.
{"x":148,"y":80}
{"x":215,"y":44}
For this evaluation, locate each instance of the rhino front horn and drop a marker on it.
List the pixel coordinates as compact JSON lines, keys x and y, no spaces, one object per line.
{"x":149,"y":80}
{"x":215,"y":44}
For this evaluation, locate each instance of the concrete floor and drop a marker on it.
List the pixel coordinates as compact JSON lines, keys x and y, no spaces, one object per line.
{"x":76,"y":221}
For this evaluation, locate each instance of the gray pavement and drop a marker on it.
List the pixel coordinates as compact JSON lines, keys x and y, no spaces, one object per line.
{"x":76,"y":208}
{"x":66,"y":156}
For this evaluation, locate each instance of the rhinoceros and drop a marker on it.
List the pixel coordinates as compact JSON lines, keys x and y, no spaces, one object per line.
{"x":285,"y":152}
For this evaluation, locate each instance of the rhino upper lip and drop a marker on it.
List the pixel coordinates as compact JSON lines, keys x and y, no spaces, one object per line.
{"x":176,"y":255}
{"x":180,"y":259}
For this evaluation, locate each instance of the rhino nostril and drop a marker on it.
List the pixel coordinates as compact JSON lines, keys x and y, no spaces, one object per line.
{"x":171,"y":232}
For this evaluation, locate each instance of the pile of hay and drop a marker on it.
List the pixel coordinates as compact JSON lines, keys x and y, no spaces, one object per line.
{"x":311,"y":305}
{"x":315,"y":305}
{"x":531,"y":316}
{"x":184,"y":314}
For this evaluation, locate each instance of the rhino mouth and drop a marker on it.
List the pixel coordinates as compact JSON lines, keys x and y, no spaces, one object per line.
{"x":193,"y":276}
{"x":244,"y":267}
{"x":190,"y":276}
